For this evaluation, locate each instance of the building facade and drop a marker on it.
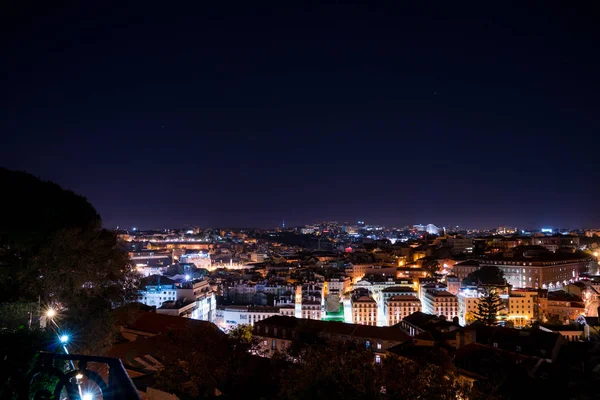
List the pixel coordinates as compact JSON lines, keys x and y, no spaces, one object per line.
{"x":276,"y":334}
{"x":399,"y":307}
{"x":364,"y":310}
{"x":440,"y":302}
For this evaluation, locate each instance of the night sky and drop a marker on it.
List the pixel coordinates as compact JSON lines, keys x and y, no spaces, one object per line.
{"x":165,"y":115}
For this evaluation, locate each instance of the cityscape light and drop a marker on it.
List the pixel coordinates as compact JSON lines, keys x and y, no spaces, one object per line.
{"x":79,"y":376}
{"x":64,"y":339}
{"x":50,"y":313}
{"x":87,"y":396}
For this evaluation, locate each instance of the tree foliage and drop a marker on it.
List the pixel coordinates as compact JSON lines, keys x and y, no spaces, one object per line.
{"x":432,"y":267}
{"x":488,"y":307}
{"x":349,"y":371}
{"x":54,"y":251}
{"x":486,"y":275}
{"x":195,"y":361}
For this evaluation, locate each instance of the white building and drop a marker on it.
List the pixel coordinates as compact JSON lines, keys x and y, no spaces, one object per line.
{"x":156,"y":290}
{"x":146,"y":270}
{"x":228,"y":317}
{"x":439,"y":302}
{"x":338,"y":285}
{"x":194,"y":300}
{"x":467,"y":305}
{"x":432,"y":229}
{"x":200,"y":260}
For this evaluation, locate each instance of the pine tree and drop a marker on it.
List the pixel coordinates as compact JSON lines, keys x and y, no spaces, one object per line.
{"x":488,"y":307}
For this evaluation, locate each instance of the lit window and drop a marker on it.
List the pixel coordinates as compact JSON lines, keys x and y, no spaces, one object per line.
{"x":377,"y":359}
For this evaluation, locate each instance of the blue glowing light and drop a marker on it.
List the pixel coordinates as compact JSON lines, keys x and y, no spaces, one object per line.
{"x":64,"y":338}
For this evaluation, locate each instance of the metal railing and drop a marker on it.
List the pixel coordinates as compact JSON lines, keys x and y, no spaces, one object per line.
{"x":65,"y":383}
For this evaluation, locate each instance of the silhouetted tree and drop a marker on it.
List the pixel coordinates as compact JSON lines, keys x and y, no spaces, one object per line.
{"x":486,"y":275}
{"x":54,"y":250}
{"x":488,"y":307}
{"x":349,"y":371}
{"x":431,"y":267}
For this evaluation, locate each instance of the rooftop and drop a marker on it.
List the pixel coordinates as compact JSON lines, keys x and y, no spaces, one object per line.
{"x":365,"y":299}
{"x":466,"y":263}
{"x":403,"y":298}
{"x":419,"y":318}
{"x":338,"y":328}
{"x":398,"y":289}
{"x":155,"y":280}
{"x":158,"y":323}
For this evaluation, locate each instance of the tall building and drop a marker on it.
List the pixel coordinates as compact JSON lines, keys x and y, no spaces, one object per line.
{"x":399,"y":307}
{"x":364,"y":310}
{"x":440,"y":302}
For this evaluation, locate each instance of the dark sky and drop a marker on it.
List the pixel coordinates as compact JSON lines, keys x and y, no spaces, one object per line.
{"x":166,"y":115}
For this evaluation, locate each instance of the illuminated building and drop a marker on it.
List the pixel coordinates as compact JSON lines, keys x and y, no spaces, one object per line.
{"x":398,"y":290}
{"x":228,"y":317}
{"x":523,"y":306}
{"x":356,"y":271}
{"x":178,"y":308}
{"x":152,"y":259}
{"x":464,"y":268}
{"x":467,"y":299}
{"x":439,"y":302}
{"x":310,"y":301}
{"x":146,"y":270}
{"x":530,"y":267}
{"x":157,"y":289}
{"x":194,"y":300}
{"x":588,"y":292}
{"x":400,"y":306}
{"x":565,"y":306}
{"x":453,"y":283}
{"x":432,"y":229}
{"x":258,"y":257}
{"x":311,"y":309}
{"x":200,"y":260}
{"x":338,"y":285}
{"x":364,"y":310}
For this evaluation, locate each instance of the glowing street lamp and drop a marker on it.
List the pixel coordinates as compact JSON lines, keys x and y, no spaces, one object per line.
{"x":50,"y":313}
{"x":64,"y":339}
{"x":87,"y":396}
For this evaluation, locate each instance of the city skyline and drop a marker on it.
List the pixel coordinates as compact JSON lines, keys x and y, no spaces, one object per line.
{"x":449,"y":228}
{"x":208,"y":116}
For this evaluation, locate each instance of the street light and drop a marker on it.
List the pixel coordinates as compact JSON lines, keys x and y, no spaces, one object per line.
{"x":87,"y":396}
{"x":64,"y":339}
{"x":50,"y":313}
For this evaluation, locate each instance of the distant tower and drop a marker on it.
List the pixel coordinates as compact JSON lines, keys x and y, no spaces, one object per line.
{"x":282,"y":224}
